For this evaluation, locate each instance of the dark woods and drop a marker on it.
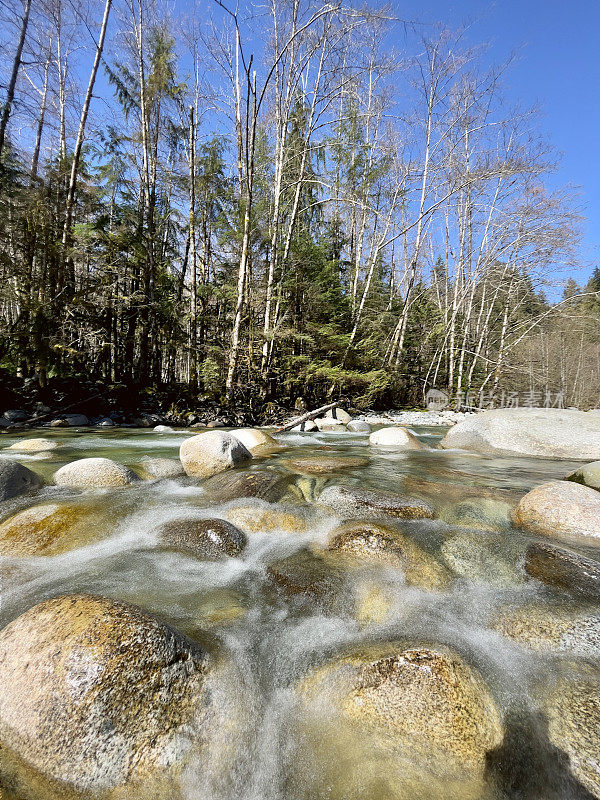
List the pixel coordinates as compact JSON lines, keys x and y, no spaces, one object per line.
{"x":279,"y":205}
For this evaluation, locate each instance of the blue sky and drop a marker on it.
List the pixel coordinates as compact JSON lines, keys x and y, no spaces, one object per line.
{"x":558,"y":69}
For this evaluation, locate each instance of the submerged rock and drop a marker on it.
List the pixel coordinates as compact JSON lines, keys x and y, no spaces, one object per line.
{"x":15,"y":479}
{"x":552,"y":629}
{"x":588,"y":475}
{"x":574,"y":727}
{"x":254,"y":439}
{"x":541,"y":432}
{"x":308,"y":573}
{"x":362,"y":541}
{"x":34,"y":445}
{"x":472,"y":556}
{"x":350,"y":502}
{"x":157,"y":468}
{"x":562,"y":510}
{"x":412,"y":720}
{"x":482,"y":513}
{"x":324,"y":465}
{"x":264,"y":484}
{"x":98,"y":698}
{"x":563,"y":569}
{"x":255,"y":518}
{"x":209,"y":453}
{"x":94,"y":473}
{"x":45,"y":530}
{"x":211,"y":539}
{"x":396,"y":437}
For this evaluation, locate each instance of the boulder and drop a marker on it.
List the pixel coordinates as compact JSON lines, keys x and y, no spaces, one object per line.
{"x":324,"y":465}
{"x":59,"y":423}
{"x":94,"y":473}
{"x":329,"y":424}
{"x":415,"y":720}
{"x":396,"y":437}
{"x":588,"y":475}
{"x":162,"y":429}
{"x":254,"y":439}
{"x":264,"y":518}
{"x":552,"y":629}
{"x":46,"y":530}
{"x":98,"y":699}
{"x":157,"y":468}
{"x":308,"y":426}
{"x":15,"y":479}
{"x":364,"y":542}
{"x":539,"y":432}
{"x":352,"y":503}
{"x":563,"y":569}
{"x":573,"y":710}
{"x":76,"y":420}
{"x":34,"y":445}
{"x":208,"y":453}
{"x":562,"y":510}
{"x":358,"y":426}
{"x":264,"y":484}
{"x":16,"y":415}
{"x":339,"y":414}
{"x":211,"y":539}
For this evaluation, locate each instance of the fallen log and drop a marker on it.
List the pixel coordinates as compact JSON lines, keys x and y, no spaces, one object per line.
{"x":310,"y":415}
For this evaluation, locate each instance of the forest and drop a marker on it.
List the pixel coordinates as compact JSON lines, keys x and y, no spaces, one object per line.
{"x":256,"y":203}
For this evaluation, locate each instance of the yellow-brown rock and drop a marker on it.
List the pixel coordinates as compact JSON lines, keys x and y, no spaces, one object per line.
{"x":261,"y":518}
{"x":46,"y":530}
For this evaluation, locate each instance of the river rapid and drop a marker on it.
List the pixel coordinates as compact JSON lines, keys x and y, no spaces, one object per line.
{"x":260,"y":610}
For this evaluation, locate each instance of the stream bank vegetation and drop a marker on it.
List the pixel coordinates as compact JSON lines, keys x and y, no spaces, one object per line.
{"x":298,"y":199}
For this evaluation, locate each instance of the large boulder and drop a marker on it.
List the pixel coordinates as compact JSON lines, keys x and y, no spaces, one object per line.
{"x":264,"y":484}
{"x":412,"y":720}
{"x":339,"y":414}
{"x":359,"y":426}
{"x":211,"y":539}
{"x":34,"y":445}
{"x":573,"y":710}
{"x":352,"y":503}
{"x":46,"y":530}
{"x":254,"y":439}
{"x":541,"y":432}
{"x":377,"y":543}
{"x":98,"y":699}
{"x":396,"y":437}
{"x":563,"y":569}
{"x":589,"y":475}
{"x":562,"y":510}
{"x":76,"y":420}
{"x":94,"y":473}
{"x":209,"y":453}
{"x":15,"y":479}
{"x":329,"y":424}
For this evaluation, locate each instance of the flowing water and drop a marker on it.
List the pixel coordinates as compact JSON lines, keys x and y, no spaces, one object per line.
{"x":273,"y":637}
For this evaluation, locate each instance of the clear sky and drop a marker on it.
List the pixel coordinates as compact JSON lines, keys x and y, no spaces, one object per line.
{"x":558,"y":69}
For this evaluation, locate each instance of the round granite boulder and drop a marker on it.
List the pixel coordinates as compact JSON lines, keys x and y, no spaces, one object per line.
{"x":34,"y":445}
{"x":95,"y":473}
{"x":99,"y":699}
{"x":352,"y":503}
{"x":209,"y":453}
{"x":416,"y":720}
{"x":211,"y":539}
{"x":396,"y":437}
{"x":561,"y":510}
{"x":254,"y":439}
{"x":15,"y":479}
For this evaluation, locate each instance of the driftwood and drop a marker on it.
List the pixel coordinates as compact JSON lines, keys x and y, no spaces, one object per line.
{"x":306,"y":417}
